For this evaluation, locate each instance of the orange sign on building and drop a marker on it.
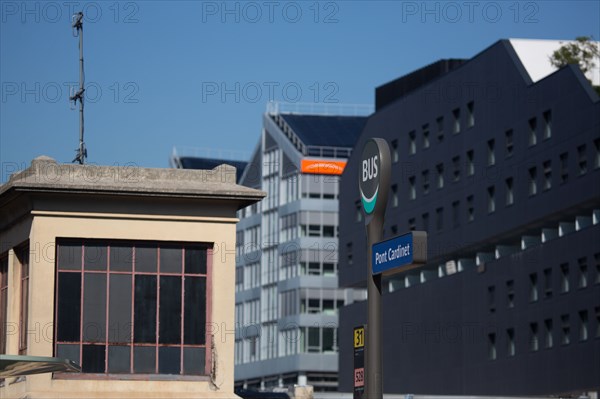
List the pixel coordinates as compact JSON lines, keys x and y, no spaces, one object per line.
{"x":321,"y":167}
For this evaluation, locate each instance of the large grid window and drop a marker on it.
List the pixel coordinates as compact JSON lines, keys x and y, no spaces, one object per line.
{"x":133,"y":307}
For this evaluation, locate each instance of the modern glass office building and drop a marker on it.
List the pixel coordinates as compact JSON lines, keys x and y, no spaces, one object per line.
{"x":287,"y":295}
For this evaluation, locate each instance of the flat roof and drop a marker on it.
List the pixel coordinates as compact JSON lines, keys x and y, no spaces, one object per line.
{"x":326,"y":130}
{"x":46,"y":175}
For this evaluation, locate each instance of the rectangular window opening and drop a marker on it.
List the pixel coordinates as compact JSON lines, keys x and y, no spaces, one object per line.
{"x":510,"y":196}
{"x":510,"y":294}
{"x":425,"y":129}
{"x":508,"y":138}
{"x":491,"y":144}
{"x":582,"y":159}
{"x":412,"y":142}
{"x":440,"y":128}
{"x":533,"y":337}
{"x":532,"y":131}
{"x":533,"y":287}
{"x":456,"y":123}
{"x":471,"y":114}
{"x":548,"y":335}
{"x":547,"y":124}
{"x":146,"y":301}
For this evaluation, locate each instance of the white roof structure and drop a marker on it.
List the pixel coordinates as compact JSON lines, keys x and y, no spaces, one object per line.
{"x":535,"y":56}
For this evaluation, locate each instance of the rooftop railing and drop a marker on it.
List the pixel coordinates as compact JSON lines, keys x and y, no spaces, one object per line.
{"x":338,"y":109}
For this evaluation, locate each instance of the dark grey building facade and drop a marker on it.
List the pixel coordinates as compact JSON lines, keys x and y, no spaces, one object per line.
{"x":503,"y":172}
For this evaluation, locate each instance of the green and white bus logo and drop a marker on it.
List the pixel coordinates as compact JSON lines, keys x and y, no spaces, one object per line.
{"x":370,"y":167}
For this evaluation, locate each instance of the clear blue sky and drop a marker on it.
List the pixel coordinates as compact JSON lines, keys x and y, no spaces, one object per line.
{"x":156,"y":71}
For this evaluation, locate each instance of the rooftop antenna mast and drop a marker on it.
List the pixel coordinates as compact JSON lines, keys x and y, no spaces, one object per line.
{"x":77,"y":26}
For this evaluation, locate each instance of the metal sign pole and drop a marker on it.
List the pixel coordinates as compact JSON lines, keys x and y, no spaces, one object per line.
{"x":374,"y":182}
{"x":374,"y":378}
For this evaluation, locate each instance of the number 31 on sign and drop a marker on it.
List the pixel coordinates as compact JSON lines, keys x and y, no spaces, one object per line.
{"x":359,"y":337}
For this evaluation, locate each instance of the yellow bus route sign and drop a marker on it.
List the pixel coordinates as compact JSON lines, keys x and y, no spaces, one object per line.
{"x":358,"y":336}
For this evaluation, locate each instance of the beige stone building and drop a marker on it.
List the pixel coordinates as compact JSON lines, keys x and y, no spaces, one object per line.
{"x":127,"y":271}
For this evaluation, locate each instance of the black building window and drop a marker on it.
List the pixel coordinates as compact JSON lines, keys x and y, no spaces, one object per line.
{"x":349,"y":256}
{"x":533,"y":287}
{"x":491,"y":159}
{"x":395,"y":151}
{"x":533,"y":337}
{"x":491,"y":199}
{"x":583,"y":272}
{"x":440,"y":175}
{"x":547,"y":175}
{"x":456,"y":168}
{"x":470,"y":163}
{"x":532,"y":181}
{"x":425,"y":219}
{"x":425,"y":130}
{"x":509,"y":144}
{"x":412,"y":190}
{"x":425,"y":178}
{"x":583,"y":325}
{"x":440,"y":128}
{"x":510,"y":196}
{"x":564,"y":278}
{"x":471,"y":114}
{"x":412,"y":142}
{"x":582,"y":159}
{"x":510,"y":294}
{"x":565,"y":330}
{"x":548,"y":334}
{"x":548,"y":283}
{"x":133,"y":307}
{"x":456,"y":121}
{"x":358,"y":211}
{"x":510,"y":342}
{"x":564,"y":167}
{"x":456,"y":214}
{"x":470,"y":208}
{"x":492,"y":346}
{"x":411,"y":225}
{"x":492,"y":298}
{"x":547,"y":124}
{"x":532,"y":131}
{"x":394,"y":195}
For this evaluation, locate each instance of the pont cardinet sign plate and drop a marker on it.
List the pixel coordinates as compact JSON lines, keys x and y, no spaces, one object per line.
{"x":400,"y":253}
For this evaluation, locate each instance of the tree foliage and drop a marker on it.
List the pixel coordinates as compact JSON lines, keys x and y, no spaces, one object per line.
{"x":581,"y":52}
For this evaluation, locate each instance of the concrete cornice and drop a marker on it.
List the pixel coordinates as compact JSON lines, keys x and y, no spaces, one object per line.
{"x":46,"y":175}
